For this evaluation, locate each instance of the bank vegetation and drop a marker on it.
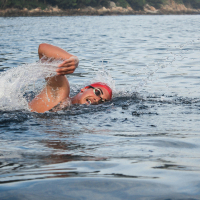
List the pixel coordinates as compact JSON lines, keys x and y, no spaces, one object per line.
{"x":97,"y":7}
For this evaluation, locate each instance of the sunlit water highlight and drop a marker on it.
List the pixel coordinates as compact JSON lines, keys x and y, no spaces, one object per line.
{"x":147,"y":137}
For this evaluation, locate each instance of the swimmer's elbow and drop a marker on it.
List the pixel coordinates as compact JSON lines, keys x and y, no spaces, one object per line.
{"x":41,"y":49}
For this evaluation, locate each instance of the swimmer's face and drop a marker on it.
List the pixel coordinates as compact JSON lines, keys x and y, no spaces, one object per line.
{"x":92,"y":95}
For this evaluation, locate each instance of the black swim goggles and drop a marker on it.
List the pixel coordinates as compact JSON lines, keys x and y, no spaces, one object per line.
{"x":97,"y":92}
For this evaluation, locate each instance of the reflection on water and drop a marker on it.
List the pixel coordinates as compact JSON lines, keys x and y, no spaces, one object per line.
{"x":144,"y":144}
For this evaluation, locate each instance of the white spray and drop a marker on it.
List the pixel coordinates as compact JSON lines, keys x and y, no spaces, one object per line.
{"x":16,"y":81}
{"x":104,"y":77}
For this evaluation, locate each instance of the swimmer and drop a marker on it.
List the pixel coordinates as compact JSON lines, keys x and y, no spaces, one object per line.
{"x":55,"y":95}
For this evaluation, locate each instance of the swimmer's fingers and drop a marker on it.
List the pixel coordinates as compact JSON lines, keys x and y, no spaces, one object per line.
{"x":65,"y":70}
{"x":61,"y":73}
{"x":68,"y":65}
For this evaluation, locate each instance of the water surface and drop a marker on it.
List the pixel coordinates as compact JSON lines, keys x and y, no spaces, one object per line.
{"x":144,"y":144}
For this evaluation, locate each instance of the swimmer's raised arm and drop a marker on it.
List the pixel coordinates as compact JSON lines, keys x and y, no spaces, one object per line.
{"x":69,"y":64}
{"x":57,"y":88}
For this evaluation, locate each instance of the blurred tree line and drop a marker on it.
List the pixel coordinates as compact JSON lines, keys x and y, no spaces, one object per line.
{"x":67,"y":4}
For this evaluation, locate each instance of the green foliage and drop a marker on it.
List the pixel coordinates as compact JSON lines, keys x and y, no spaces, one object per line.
{"x":155,"y":3}
{"x":66,"y":4}
{"x":122,"y":3}
{"x":179,"y":1}
{"x":1,"y":4}
{"x":193,"y":3}
{"x":14,"y":3}
{"x":93,"y":3}
{"x":136,"y":4}
{"x":21,"y":4}
{"x":104,"y":3}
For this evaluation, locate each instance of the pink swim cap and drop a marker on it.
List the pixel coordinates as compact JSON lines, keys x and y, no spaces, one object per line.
{"x":99,"y":84}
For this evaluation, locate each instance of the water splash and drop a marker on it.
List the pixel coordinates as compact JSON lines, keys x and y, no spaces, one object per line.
{"x":17,"y":81}
{"x":104,"y":77}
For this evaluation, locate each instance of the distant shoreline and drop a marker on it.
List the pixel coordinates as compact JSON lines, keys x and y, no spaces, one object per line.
{"x":89,"y":11}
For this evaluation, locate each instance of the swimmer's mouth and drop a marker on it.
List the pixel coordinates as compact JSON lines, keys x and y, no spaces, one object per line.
{"x":88,"y":101}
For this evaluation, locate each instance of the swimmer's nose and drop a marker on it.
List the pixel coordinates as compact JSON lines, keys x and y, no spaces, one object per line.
{"x":96,"y":100}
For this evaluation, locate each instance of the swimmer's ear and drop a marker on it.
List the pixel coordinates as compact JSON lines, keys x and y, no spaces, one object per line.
{"x":83,"y":89}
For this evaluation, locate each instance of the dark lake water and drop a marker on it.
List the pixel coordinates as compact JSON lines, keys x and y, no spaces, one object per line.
{"x":144,"y":144}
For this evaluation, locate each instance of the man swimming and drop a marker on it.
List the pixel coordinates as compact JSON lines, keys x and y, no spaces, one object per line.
{"x":56,"y":92}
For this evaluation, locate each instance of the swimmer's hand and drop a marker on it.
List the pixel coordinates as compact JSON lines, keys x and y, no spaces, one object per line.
{"x":68,"y":66}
